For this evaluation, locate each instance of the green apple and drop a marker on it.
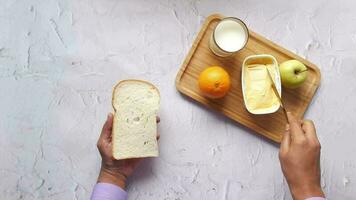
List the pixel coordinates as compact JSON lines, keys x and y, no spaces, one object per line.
{"x":293,"y":73}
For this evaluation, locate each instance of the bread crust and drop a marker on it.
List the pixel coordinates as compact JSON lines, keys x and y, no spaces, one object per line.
{"x":133,"y":81}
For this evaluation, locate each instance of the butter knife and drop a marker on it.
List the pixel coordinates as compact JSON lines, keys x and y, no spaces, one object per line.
{"x":274,"y":88}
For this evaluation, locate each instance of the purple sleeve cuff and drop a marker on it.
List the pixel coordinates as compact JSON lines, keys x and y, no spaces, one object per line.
{"x":107,"y":191}
{"x":315,"y":198}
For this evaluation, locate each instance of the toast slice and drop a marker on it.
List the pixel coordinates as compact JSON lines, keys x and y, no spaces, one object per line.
{"x":136,"y":104}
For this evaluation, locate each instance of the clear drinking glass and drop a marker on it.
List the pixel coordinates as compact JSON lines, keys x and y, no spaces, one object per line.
{"x":229,"y":36}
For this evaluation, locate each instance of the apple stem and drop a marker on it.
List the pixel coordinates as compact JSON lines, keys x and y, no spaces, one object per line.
{"x":302,"y":71}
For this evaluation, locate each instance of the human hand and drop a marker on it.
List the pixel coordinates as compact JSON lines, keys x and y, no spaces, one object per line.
{"x":114,"y":171}
{"x":300,"y":159}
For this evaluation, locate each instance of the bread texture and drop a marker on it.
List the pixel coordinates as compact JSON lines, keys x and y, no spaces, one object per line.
{"x":136,"y":104}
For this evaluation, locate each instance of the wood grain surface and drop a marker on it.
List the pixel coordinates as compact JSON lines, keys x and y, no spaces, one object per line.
{"x":199,"y":57}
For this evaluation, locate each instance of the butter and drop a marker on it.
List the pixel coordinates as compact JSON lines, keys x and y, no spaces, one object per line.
{"x":258,"y":90}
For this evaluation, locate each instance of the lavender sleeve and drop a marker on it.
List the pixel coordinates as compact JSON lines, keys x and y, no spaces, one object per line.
{"x":315,"y":198}
{"x":107,"y":191}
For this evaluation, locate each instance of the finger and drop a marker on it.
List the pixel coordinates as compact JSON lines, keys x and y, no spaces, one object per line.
{"x":309,"y":130}
{"x":300,"y":122}
{"x":296,"y":131}
{"x":285,"y":140}
{"x":158,"y":119}
{"x":107,"y":128}
{"x":158,"y":136}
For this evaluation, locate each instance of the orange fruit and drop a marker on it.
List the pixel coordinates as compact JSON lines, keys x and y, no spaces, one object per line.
{"x":214,"y":82}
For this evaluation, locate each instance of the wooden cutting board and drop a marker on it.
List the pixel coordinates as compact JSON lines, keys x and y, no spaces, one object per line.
{"x":272,"y":125}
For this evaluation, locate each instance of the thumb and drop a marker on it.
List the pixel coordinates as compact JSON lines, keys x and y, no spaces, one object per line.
{"x":284,"y":147}
{"x":107,"y":128}
{"x":296,"y":131}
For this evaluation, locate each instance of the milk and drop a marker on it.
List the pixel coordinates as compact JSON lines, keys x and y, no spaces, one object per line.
{"x":229,"y":36}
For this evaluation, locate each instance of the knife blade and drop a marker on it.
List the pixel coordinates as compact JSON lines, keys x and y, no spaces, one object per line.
{"x":274,"y":88}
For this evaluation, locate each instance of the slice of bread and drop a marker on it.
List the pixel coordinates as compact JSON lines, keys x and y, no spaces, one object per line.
{"x":136,"y":104}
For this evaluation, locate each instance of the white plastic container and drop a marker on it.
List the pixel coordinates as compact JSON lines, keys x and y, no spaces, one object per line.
{"x":261,"y":59}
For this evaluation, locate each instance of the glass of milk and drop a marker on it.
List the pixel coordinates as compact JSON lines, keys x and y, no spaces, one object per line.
{"x":229,"y":36}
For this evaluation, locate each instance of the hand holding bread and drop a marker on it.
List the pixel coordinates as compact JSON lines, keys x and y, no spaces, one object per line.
{"x":126,"y":140}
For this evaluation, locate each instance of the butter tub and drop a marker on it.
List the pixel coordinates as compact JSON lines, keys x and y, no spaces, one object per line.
{"x":257,"y":92}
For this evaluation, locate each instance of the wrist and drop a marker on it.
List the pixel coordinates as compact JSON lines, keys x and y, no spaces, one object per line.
{"x":115,"y":178}
{"x":307,"y":191}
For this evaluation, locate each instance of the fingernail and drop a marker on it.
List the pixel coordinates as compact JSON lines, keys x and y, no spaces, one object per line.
{"x":109,"y":115}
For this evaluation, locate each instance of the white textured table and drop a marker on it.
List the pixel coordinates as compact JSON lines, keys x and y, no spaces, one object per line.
{"x":59,"y":60}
